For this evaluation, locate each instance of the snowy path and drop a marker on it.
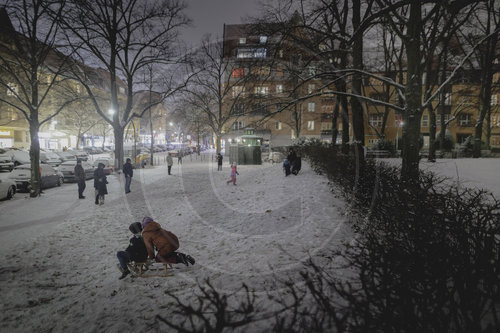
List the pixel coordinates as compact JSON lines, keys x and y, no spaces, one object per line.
{"x":58,"y":270}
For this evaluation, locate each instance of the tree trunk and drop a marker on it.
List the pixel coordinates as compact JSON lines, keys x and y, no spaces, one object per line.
{"x":356,"y":106}
{"x":118,"y":132}
{"x":217,"y":143}
{"x":413,"y":95}
{"x":335,"y":116}
{"x":36,"y":180}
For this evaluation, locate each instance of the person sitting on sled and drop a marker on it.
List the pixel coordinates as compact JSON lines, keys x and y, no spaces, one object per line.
{"x":136,"y":250}
{"x":165,"y":242}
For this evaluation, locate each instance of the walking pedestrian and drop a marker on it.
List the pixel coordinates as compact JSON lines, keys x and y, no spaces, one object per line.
{"x":170,"y":162}
{"x":219,"y":162}
{"x":179,"y":157}
{"x":128,"y":171}
{"x":100,"y":182}
{"x":80,"y":178}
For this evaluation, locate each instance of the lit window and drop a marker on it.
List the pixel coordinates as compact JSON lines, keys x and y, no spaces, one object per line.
{"x":312,"y":70}
{"x":311,"y":107}
{"x":122,"y":90}
{"x":237,"y":91}
{"x":310,"y":125}
{"x":375,"y":120}
{"x":277,"y":124}
{"x":243,"y":40}
{"x":263,"y":39}
{"x":261,"y":90}
{"x":310,"y":88}
{"x":425,"y":120}
{"x":494,"y":99}
{"x":238,"y":125}
{"x":238,"y":72}
{"x":446,"y":119}
{"x":280,"y":53}
{"x":279,"y":88}
{"x":447,"y":98}
{"x":12,"y":89}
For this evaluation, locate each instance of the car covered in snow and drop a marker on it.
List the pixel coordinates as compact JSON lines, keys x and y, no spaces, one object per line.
{"x":66,"y":156}
{"x":50,"y":158}
{"x":6,"y":162}
{"x":68,"y":170}
{"x":7,"y":187}
{"x":17,"y":157}
{"x":22,"y":176}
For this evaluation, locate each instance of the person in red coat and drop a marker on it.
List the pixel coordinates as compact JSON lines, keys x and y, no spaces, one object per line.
{"x":165,"y":242}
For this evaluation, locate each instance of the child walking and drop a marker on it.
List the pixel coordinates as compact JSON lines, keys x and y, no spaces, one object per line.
{"x":234,"y":172}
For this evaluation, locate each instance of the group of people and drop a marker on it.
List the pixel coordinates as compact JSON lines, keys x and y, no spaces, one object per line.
{"x":149,"y":236}
{"x":100,"y":182}
{"x":292,"y":163}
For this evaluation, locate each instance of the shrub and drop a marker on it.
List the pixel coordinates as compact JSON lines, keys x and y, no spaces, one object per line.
{"x":446,"y":145}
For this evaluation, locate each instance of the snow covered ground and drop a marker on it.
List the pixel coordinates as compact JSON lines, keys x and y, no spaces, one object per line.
{"x":58,"y":269}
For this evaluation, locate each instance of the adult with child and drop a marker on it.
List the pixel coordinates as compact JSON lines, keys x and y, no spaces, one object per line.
{"x":100,"y":182}
{"x":296,"y":165}
{"x":164,"y":241}
{"x":128,"y":171}
{"x":286,"y":167}
{"x":80,"y":178}
{"x":135,"y":251}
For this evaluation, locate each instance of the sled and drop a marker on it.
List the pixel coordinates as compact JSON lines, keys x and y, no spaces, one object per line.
{"x":141,"y":269}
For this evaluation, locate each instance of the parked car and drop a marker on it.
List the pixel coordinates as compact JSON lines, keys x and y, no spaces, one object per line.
{"x":17,"y":156}
{"x":7,"y":187}
{"x":6,"y":162}
{"x":68,"y":170}
{"x":108,"y":165}
{"x":22,"y":176}
{"x":50,"y":158}
{"x":81,"y":154}
{"x":66,"y":156}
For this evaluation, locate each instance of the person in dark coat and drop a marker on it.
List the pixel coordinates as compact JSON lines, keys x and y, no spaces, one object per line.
{"x":219,"y":162}
{"x":128,"y":171}
{"x":286,"y":167}
{"x":165,"y":242}
{"x":80,"y":178}
{"x":296,"y":165}
{"x":100,"y":184}
{"x":291,"y":156}
{"x":135,"y":251}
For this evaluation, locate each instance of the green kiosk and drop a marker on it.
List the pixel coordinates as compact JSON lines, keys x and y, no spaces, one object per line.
{"x":246,"y":149}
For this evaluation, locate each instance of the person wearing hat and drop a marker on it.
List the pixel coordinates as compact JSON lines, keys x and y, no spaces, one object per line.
{"x":136,"y":250}
{"x":80,"y":178}
{"x":165,"y":242}
{"x":100,"y":182}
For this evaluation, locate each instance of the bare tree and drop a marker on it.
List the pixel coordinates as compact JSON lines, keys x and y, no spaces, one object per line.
{"x":124,"y":37}
{"x":31,"y":69}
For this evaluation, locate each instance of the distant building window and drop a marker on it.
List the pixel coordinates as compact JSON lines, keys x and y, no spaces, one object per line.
{"x":263,"y":39}
{"x":12,"y":89}
{"x":494,"y":99}
{"x":310,"y":125}
{"x":446,"y":119}
{"x":293,"y":135}
{"x":243,"y":40}
{"x":311,"y":107}
{"x":277,"y":124}
{"x":465,"y":119}
{"x":447,"y":98}
{"x":238,"y":72}
{"x":122,"y":90}
{"x":280,"y":53}
{"x":310,"y":88}
{"x":312,"y":70}
{"x":238,"y":125}
{"x":237,"y":91}
{"x":425,"y":120}
{"x":375,"y":120}
{"x":279,"y":88}
{"x":259,"y":52}
{"x":261,"y":70}
{"x":261,"y":90}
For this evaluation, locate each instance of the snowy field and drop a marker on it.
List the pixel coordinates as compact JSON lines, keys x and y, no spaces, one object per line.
{"x":58,"y":269}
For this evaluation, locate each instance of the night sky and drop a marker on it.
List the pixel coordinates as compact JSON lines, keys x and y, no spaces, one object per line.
{"x":209,"y":16}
